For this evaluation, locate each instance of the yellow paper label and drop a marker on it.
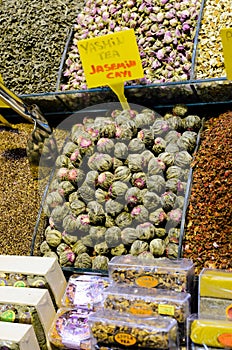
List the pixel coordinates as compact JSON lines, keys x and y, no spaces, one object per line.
{"x":140,"y":309}
{"x":166,"y":309}
{"x":226,"y":36}
{"x":20,"y":284}
{"x":125,"y":339}
{"x":110,"y":59}
{"x":146,"y":281}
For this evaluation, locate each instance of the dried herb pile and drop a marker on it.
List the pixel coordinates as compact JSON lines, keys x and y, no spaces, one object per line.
{"x":19,"y":201}
{"x":208,"y":235}
{"x":33,"y":34}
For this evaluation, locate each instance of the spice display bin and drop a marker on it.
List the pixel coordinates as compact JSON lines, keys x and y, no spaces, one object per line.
{"x":17,"y":336}
{"x":215,"y":293}
{"x":163,"y":273}
{"x":112,"y":328}
{"x":208,"y":333}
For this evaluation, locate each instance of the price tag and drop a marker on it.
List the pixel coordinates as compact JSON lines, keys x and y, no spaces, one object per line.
{"x":226,"y":36}
{"x":111,"y":60}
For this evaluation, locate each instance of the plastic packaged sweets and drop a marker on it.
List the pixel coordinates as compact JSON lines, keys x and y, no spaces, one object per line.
{"x":215,"y":293}
{"x":208,"y":333}
{"x":70,"y":329}
{"x":17,"y":336}
{"x":172,"y":274}
{"x":111,"y":328}
{"x":35,"y":272}
{"x":85,"y":291}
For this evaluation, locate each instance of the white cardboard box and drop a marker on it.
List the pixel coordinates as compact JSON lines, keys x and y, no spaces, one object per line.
{"x":34,"y":297}
{"x":46,"y":267}
{"x":17,"y":333}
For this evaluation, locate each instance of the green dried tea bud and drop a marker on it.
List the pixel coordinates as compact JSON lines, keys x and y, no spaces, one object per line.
{"x":183,"y":159}
{"x":180,"y":110}
{"x":172,"y":136}
{"x":58,"y":214}
{"x":97,"y":233}
{"x":157,"y":247}
{"x":172,"y":148}
{"x":107,"y":129}
{"x":101,"y":248}
{"x":138,"y":247}
{"x":96,"y":213}
{"x":86,"y":193}
{"x":69,"y":148}
{"x":54,"y":185}
{"x":87,"y":241}
{"x":139,"y":180}
{"x":129,"y":235}
{"x":105,"y":180}
{"x":139,"y":213}
{"x":116,"y":163}
{"x":63,"y":247}
{"x":113,"y":236}
{"x":74,"y":196}
{"x":67,"y":258}
{"x":123,"y":219}
{"x":122,"y":173}
{"x":51,"y":255}
{"x":147,"y":136}
{"x":144,"y":119}
{"x":86,"y":145}
{"x":91,"y":178}
{"x":179,"y":202}
{"x":174,"y":235}
{"x":174,"y":172}
{"x":101,"y":196}
{"x":105,"y":145}
{"x":187,"y":141}
{"x":191,"y":122}
{"x":133,"y":196}
{"x":156,"y":183}
{"x":79,"y":248}
{"x":83,"y":222}
{"x":156,"y":166}
{"x":145,"y":231}
{"x":113,"y":207}
{"x":134,"y":162}
{"x":70,"y":224}
{"x":160,"y":232}
{"x":172,"y":185}
{"x":125,"y":131}
{"x":77,"y":207}
{"x":167,"y":158}
{"x":66,"y":188}
{"x":100,"y":263}
{"x":160,"y":127}
{"x":54,"y":199}
{"x":136,"y":145}
{"x":120,"y":150}
{"x":100,"y":162}
{"x":151,"y":200}
{"x":158,"y":145}
{"x":68,"y":239}
{"x":63,"y":161}
{"x":54,"y":238}
{"x":118,"y":189}
{"x":158,"y":217}
{"x":118,"y":250}
{"x":168,"y":200}
{"x":44,"y":247}
{"x":83,"y":261}
{"x":175,"y":122}
{"x":110,"y":222}
{"x":146,"y":256}
{"x":172,"y":251}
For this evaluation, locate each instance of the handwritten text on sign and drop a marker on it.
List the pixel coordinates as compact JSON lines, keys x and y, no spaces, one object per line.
{"x":226,"y":35}
{"x":111,"y":58}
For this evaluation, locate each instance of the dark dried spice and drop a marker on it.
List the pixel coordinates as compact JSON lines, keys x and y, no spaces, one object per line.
{"x":208,"y":233}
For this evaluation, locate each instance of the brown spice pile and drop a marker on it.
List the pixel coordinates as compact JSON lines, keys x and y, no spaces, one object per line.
{"x":19,"y":199}
{"x":208,"y":233}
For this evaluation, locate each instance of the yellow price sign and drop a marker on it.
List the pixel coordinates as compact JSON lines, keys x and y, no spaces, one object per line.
{"x":226,"y":36}
{"x":111,"y":60}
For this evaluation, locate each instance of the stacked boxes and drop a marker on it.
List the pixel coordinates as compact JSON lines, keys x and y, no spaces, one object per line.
{"x":146,"y":305}
{"x":17,"y":336}
{"x":212,"y":327}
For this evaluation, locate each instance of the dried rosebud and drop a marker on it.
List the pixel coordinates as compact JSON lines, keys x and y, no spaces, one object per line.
{"x":76,"y":158}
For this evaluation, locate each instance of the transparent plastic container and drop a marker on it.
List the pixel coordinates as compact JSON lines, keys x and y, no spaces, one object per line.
{"x":208,"y":333}
{"x":215,"y":293}
{"x":85,"y":291}
{"x":116,"y":329}
{"x":164,"y":273}
{"x":70,"y":329}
